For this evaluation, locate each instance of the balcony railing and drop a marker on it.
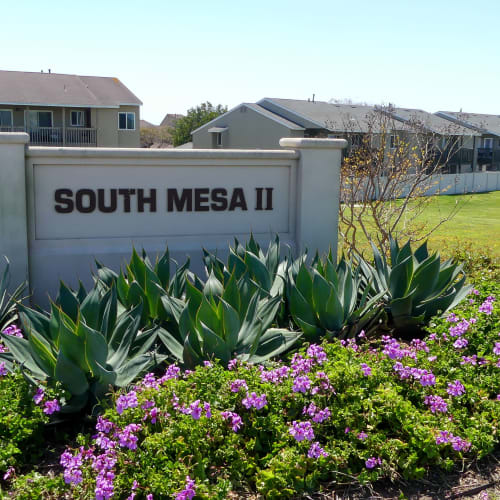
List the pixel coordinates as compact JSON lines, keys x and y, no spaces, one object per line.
{"x":57,"y":136}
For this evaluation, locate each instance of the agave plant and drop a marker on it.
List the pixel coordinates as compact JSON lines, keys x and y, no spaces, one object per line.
{"x":85,"y":345}
{"x":226,"y":322}
{"x":152,"y":285}
{"x":332,"y":301}
{"x":8,"y":312}
{"x":267,"y":269}
{"x":415,"y":286}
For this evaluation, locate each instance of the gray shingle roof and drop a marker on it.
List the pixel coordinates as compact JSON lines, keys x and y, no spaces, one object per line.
{"x":321,"y":114}
{"x":54,"y":89}
{"x":429,"y":121}
{"x":487,"y":124}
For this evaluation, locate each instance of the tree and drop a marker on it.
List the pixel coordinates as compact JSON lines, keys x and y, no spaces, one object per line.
{"x":155,"y":135}
{"x":196,"y":117}
{"x":389,"y":169}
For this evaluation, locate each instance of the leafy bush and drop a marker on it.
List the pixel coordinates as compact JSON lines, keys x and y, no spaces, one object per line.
{"x":21,"y":422}
{"x":346,"y":409}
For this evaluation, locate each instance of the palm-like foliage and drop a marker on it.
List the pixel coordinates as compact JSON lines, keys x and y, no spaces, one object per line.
{"x":8,"y":312}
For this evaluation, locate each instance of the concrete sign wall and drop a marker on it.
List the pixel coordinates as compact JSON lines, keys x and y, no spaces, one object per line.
{"x":84,"y":204}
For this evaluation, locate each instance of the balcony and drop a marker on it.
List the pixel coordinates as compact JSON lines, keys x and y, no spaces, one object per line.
{"x":57,"y":136}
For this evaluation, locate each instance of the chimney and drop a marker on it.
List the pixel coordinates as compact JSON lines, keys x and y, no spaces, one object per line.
{"x":49,"y":71}
{"x":313,"y":97}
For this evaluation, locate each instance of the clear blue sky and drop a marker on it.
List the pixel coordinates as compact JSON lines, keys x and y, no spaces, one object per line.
{"x":434,"y":55}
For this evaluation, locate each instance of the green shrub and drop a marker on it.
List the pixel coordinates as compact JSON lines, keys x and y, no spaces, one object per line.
{"x":21,"y":423}
{"x":383,"y":399}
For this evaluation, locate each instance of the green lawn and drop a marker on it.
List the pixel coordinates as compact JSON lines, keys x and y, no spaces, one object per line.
{"x":476,"y":225}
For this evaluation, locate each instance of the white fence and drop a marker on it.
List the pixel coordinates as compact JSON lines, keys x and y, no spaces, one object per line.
{"x":61,"y":208}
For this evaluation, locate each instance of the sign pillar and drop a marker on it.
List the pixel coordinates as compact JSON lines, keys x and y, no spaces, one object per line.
{"x":13,"y":219}
{"x":318,"y":196}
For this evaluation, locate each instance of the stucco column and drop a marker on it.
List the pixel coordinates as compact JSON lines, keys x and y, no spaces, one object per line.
{"x":13,"y":217}
{"x":318,"y":192}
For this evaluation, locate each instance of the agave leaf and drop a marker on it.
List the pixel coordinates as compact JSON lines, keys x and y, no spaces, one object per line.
{"x":70,"y":375}
{"x":191,"y":353}
{"x":425,"y":278}
{"x":110,"y":314}
{"x":122,"y":288}
{"x":133,"y":368}
{"x":213,"y":287}
{"x":236,"y":264}
{"x":258,"y":271}
{"x":122,"y":326}
{"x":171,"y":308}
{"x":403,"y":253}
{"x":22,"y":354}
{"x":402,"y":306}
{"x":171,"y":343}
{"x":33,"y":320}
{"x":400,"y":278}
{"x":95,"y":349}
{"x":231,"y":294}
{"x":42,"y":352}
{"x":311,"y":332}
{"x":299,"y":307}
{"x":68,"y":301}
{"x":332,"y":316}
{"x":178,"y":283}
{"x":250,"y":327}
{"x":231,"y":323}
{"x":207,"y":314}
{"x":394,"y":250}
{"x":214,"y":346}
{"x":421,"y":253}
{"x":105,"y":274}
{"x":162,"y":269}
{"x":274,"y":342}
{"x":304,"y":284}
{"x":118,"y":355}
{"x":90,"y":308}
{"x":321,"y":292}
{"x":136,"y":269}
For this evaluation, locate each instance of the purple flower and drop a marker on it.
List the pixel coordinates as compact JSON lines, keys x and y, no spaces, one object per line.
{"x":487,"y":306}
{"x":126,"y":401}
{"x":347,"y":430}
{"x":127,"y":438}
{"x":427,"y":378}
{"x":172,"y":372}
{"x":189,"y":490}
{"x":457,"y":443}
{"x":233,"y":364}
{"x":39,"y":395}
{"x":315,"y":451}
{"x":13,"y":331}
{"x":362,"y":436}
{"x":51,"y":407}
{"x":275,"y":376}
{"x":104,"y":425}
{"x":238,"y":384}
{"x":301,"y":365}
{"x":9,"y":473}
{"x":472,"y":360}
{"x":436,"y":404}
{"x":195,"y":409}
{"x":316,"y":351}
{"x":258,"y":402}
{"x":301,"y":384}
{"x":460,"y":343}
{"x":236,"y":421}
{"x":460,"y":328}
{"x":3,"y":370}
{"x":452,"y":318}
{"x":301,"y":431}
{"x":207,"y":364}
{"x":104,"y":485}
{"x":367,"y":371}
{"x":455,"y":388}
{"x":373,"y":462}
{"x":316,"y":413}
{"x":208,"y":409}
{"x":496,"y":349}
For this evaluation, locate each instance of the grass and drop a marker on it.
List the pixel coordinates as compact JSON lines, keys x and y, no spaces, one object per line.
{"x":477,"y":222}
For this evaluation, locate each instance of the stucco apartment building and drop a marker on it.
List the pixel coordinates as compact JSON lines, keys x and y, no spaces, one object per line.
{"x":69,"y":110}
{"x":263,"y":124}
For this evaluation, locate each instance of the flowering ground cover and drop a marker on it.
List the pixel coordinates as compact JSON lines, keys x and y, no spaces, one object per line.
{"x":351,"y":411}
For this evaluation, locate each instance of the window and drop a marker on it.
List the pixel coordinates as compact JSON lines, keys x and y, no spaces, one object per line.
{"x":218,"y":138}
{"x":77,"y":119}
{"x":37,"y":119}
{"x":126,"y":121}
{"x":5,"y":118}
{"x":488,"y":143}
{"x":394,"y":141}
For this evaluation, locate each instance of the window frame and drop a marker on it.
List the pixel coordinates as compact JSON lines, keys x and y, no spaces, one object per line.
{"x":82,"y":112}
{"x":218,"y":138}
{"x":11,"y":118}
{"x":37,"y":111}
{"x":393,"y":141}
{"x":126,"y":120}
{"x":489,"y":141}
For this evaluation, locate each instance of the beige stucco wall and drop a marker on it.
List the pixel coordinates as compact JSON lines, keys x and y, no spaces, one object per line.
{"x":108,"y":134}
{"x":246,"y":130}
